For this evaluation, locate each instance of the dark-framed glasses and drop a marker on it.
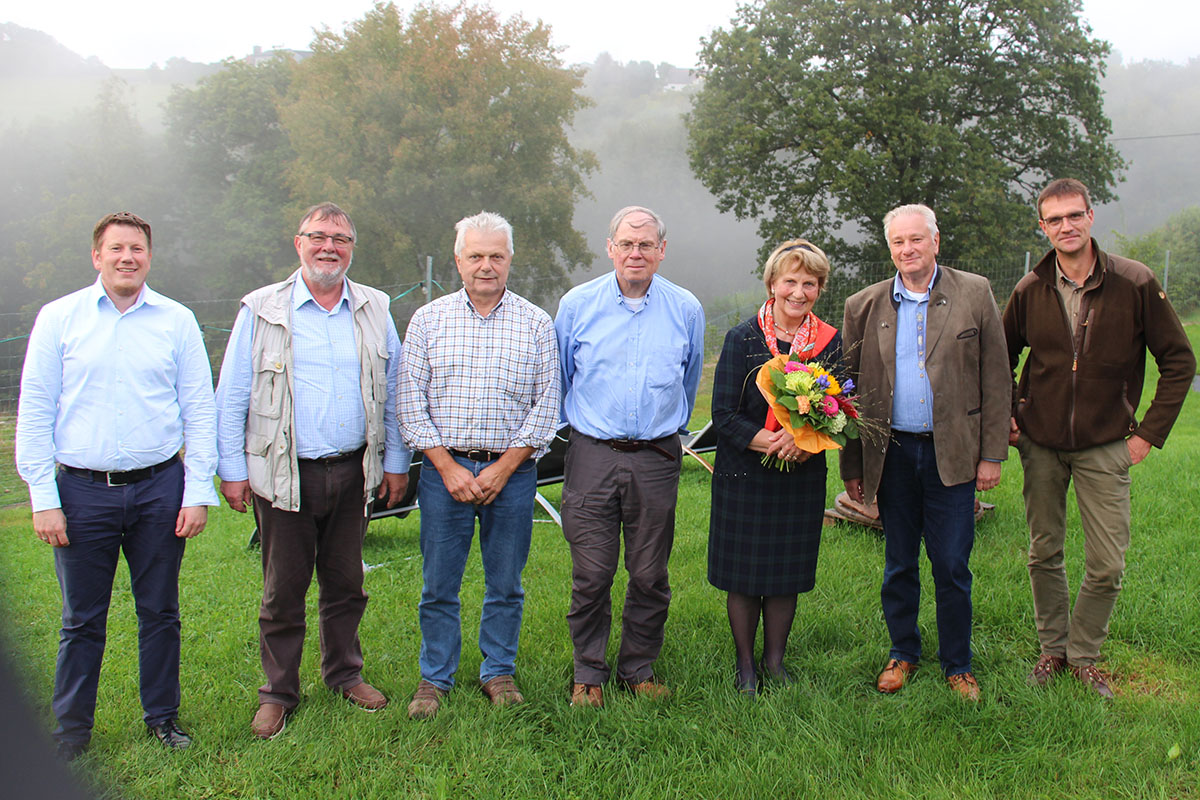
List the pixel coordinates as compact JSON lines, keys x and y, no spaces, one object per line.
{"x":1075,"y":217}
{"x":319,"y":238}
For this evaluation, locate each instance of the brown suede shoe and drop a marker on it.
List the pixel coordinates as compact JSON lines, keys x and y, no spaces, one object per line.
{"x":1046,"y":668}
{"x":366,"y":697}
{"x":502,"y":691}
{"x":894,"y":675}
{"x":1093,"y":679}
{"x":965,"y":684}
{"x":587,"y":695}
{"x":269,"y":721}
{"x":649,"y":688}
{"x":426,"y":701}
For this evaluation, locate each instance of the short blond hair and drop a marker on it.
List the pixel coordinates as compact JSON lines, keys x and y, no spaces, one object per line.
{"x":796,"y":254}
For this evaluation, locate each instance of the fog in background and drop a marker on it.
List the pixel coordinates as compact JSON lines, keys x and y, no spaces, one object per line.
{"x":636,"y":130}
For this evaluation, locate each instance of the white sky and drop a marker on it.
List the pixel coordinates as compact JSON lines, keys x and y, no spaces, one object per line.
{"x":137,"y":33}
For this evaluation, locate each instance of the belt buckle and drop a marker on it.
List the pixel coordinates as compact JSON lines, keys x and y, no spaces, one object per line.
{"x":108,"y":480}
{"x":478,"y":455}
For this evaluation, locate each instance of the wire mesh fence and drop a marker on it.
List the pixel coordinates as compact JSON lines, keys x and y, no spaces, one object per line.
{"x":216,"y":317}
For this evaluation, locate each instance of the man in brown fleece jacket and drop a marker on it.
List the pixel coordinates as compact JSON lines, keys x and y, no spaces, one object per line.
{"x":1088,"y":319}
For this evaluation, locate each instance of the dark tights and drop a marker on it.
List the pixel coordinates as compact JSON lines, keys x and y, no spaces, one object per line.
{"x":777,"y":612}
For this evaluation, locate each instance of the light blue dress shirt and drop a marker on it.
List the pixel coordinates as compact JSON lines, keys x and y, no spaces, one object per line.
{"x":912,"y":400}
{"x":629,"y":374}
{"x":112,"y":391}
{"x":328,"y":407}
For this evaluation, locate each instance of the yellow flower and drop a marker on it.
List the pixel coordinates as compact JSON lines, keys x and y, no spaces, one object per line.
{"x":834,"y":387}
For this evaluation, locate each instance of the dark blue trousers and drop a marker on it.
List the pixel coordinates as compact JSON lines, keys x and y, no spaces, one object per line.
{"x":102,"y":521}
{"x":915,"y":504}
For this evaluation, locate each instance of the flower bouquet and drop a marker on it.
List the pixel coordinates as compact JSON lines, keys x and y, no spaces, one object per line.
{"x":810,"y":403}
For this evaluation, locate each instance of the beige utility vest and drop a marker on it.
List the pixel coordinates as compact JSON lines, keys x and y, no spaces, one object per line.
{"x":271,"y":461}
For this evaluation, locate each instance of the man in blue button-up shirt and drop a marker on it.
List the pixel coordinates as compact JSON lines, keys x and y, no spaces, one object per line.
{"x":631,"y":345}
{"x":115,"y":382}
{"x":307,"y":431}
{"x":927,"y":352}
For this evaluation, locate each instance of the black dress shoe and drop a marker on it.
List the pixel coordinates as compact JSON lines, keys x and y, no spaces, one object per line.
{"x":69,"y":751}
{"x":747,"y":685}
{"x":779,"y":677}
{"x":171,"y":735}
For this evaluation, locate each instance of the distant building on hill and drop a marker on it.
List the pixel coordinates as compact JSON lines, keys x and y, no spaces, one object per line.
{"x":260,"y":56}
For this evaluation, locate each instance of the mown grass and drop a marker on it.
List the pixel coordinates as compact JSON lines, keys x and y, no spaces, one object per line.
{"x":830,"y":735}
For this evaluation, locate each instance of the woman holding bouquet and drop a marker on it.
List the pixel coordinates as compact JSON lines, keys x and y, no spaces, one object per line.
{"x":765,"y":526}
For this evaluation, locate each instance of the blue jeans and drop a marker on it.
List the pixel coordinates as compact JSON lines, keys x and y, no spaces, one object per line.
{"x":913,"y":502}
{"x":102,"y":521}
{"x":447,"y":528}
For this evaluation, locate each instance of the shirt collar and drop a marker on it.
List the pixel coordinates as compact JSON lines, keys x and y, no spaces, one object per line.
{"x":1061,"y":277}
{"x":301,"y":295}
{"x":467,"y":300}
{"x":619,"y":296}
{"x":901,"y":292}
{"x":145,"y":296}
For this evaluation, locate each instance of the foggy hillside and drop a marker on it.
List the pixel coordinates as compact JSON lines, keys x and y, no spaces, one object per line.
{"x":635,"y":128}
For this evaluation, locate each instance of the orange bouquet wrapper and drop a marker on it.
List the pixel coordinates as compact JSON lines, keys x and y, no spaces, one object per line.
{"x":806,"y":437}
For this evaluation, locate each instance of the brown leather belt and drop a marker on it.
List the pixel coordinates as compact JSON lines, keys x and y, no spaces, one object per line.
{"x":476,"y":455}
{"x":635,"y":445}
{"x":119,"y":478}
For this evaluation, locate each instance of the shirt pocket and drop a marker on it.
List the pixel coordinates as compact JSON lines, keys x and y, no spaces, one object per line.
{"x":664,"y":366}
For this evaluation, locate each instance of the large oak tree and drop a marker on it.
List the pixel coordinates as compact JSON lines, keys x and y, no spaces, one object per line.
{"x":817,"y":116}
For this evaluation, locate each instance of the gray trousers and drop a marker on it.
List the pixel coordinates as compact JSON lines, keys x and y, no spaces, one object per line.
{"x":1101,"y":476}
{"x":605,"y":493}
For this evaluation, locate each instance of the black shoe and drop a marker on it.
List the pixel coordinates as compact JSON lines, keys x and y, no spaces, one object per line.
{"x":747,"y":685}
{"x":69,"y":751}
{"x":171,"y":735}
{"x":779,"y":677}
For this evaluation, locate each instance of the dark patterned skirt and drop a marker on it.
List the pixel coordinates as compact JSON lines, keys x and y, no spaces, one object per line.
{"x":765,"y":526}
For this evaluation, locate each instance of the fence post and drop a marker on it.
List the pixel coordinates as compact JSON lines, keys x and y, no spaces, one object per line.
{"x":428,"y":279}
{"x":1026,"y":262}
{"x":1167,"y":271}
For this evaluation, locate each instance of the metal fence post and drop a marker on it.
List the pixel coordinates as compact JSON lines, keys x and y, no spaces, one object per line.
{"x":1167,"y":270}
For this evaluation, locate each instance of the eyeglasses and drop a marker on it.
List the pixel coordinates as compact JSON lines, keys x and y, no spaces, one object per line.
{"x":1075,"y":217}
{"x":319,"y":238}
{"x":645,"y":248}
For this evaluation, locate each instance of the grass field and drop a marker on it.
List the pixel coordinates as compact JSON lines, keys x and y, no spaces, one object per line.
{"x":830,"y":735}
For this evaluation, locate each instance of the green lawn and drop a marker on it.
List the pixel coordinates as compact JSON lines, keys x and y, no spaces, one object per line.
{"x":830,"y":735}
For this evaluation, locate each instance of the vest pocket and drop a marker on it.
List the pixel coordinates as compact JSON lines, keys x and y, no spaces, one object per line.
{"x":270,"y":383}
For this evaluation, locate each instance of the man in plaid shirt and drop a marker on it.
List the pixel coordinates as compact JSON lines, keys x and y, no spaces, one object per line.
{"x":479,"y":394}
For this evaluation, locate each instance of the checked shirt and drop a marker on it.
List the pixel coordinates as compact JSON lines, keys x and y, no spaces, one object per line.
{"x":470,"y":382}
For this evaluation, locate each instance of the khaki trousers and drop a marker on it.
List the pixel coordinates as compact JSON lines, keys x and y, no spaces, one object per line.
{"x":1101,"y":476}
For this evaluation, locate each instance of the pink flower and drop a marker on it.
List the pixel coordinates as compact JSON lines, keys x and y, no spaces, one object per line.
{"x":830,"y":406}
{"x":791,"y":366}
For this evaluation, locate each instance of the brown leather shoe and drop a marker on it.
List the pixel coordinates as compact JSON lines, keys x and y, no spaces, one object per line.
{"x":1093,"y":679}
{"x":965,"y":684}
{"x":269,"y":721}
{"x":650,"y":688}
{"x":426,"y":701}
{"x":366,"y":697}
{"x":1046,"y":668}
{"x":587,"y":695}
{"x":894,"y":675}
{"x":502,"y":691}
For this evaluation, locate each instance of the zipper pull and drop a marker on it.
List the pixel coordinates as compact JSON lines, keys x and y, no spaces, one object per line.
{"x":1074,"y":363}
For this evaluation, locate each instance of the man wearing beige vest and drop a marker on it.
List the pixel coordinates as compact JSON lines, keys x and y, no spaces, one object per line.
{"x":306,"y":432}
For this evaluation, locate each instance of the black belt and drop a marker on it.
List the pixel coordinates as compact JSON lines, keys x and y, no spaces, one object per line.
{"x":476,"y":455}
{"x":925,"y":437}
{"x":119,"y":478}
{"x":636,"y":445}
{"x":337,"y":458}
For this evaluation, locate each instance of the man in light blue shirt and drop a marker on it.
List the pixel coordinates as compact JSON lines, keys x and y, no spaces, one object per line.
{"x":631,"y":345}
{"x":115,"y":382}
{"x":927,"y":352}
{"x":307,"y":431}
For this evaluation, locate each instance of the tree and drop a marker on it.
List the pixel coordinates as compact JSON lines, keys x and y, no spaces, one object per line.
{"x":1180,"y":237}
{"x":817,"y":116}
{"x":234,"y":226}
{"x":411,"y":124}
